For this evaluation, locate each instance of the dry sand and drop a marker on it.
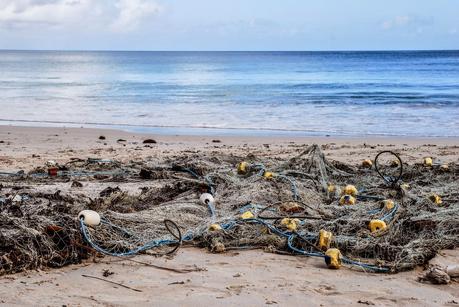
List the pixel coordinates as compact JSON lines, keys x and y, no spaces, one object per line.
{"x":244,"y":278}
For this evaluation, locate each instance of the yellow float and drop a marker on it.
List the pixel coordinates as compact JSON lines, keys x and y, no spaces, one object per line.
{"x":377,"y":225}
{"x":347,"y":200}
{"x":243,"y":168}
{"x":333,"y":258}
{"x":247,"y":215}
{"x":325,"y":238}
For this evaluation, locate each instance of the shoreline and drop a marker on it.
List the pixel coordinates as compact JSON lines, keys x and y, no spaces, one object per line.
{"x":86,"y":131}
{"x":207,"y":131}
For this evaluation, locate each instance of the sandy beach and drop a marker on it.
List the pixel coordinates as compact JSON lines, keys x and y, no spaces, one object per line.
{"x":247,"y":278}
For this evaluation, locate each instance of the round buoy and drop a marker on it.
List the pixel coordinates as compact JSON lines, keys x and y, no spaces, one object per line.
{"x":243,"y":168}
{"x":215,"y":227}
{"x":347,"y":200}
{"x":367,"y":163}
{"x":377,"y":225}
{"x":350,"y":190}
{"x":333,"y":258}
{"x":247,"y":215}
{"x":90,"y":217}
{"x":436,"y":199}
{"x":206,"y":198}
{"x":388,"y":204}
{"x":325,"y":238}
{"x":428,"y":162}
{"x":444,"y":167}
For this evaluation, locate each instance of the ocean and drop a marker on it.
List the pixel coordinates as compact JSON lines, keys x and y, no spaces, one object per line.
{"x":400,"y":93}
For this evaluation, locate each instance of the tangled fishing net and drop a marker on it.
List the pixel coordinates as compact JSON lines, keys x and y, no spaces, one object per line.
{"x":383,"y":216}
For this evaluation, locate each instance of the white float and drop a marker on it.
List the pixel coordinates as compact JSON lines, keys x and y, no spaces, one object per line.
{"x":90,"y":217}
{"x":206,"y":198}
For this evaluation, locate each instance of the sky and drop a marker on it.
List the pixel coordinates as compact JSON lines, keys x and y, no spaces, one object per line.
{"x":229,"y":24}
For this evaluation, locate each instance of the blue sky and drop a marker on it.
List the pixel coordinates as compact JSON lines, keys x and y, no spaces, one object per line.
{"x":229,"y":24}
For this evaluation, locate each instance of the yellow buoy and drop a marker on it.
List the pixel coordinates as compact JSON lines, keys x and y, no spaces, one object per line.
{"x":268,"y":175}
{"x":436,"y":199}
{"x":350,"y":190}
{"x":215,"y":227}
{"x":347,"y":200}
{"x":428,"y":162}
{"x":367,"y":163}
{"x":377,"y":225}
{"x":333,"y":258}
{"x":388,"y":204}
{"x":325,"y":238}
{"x":395,"y":163}
{"x":290,"y":224}
{"x":331,"y":188}
{"x":243,"y":168}
{"x":247,"y":215}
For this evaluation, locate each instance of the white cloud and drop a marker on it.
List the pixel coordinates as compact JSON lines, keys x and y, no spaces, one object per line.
{"x":396,"y":22}
{"x":46,"y":12}
{"x":119,"y":15}
{"x":132,"y":13}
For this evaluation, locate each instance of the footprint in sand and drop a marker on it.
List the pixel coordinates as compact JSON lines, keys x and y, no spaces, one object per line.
{"x":327,"y":290}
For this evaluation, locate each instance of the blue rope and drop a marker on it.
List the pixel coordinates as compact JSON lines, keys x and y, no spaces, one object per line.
{"x":135,"y":251}
{"x":293,"y":187}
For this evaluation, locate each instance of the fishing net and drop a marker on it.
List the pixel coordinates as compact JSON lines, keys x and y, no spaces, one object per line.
{"x":302,"y":205}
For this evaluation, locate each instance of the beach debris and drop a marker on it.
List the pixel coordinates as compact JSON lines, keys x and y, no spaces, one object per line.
{"x":107,"y":272}
{"x":206,"y":198}
{"x":145,"y":173}
{"x":453,"y":270}
{"x":347,"y":200}
{"x":89,"y":217}
{"x":243,"y":168}
{"x":109,"y":191}
{"x":388,"y":204}
{"x":53,"y":171}
{"x":215,"y":227}
{"x":76,"y":184}
{"x":377,"y":225}
{"x":17,"y":198}
{"x":367,"y":163}
{"x":102,"y":137}
{"x":436,"y":274}
{"x":333,"y":258}
{"x":216,"y":141}
{"x":268,"y":175}
{"x":149,"y":141}
{"x":51,"y":163}
{"x":350,"y":190}
{"x":112,"y":282}
{"x":290,"y":224}
{"x":365,"y":302}
{"x":325,"y":239}
{"x":247,"y":215}
{"x":444,"y":167}
{"x":428,"y":162}
{"x":436,"y":199}
{"x":288,"y":214}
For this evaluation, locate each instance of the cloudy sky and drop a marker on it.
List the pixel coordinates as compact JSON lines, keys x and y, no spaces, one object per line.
{"x":229,"y":24}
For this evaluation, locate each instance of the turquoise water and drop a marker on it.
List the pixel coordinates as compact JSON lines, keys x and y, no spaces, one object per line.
{"x":301,"y":93}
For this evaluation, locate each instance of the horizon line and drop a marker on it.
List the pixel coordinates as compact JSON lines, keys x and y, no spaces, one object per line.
{"x":134,"y":50}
